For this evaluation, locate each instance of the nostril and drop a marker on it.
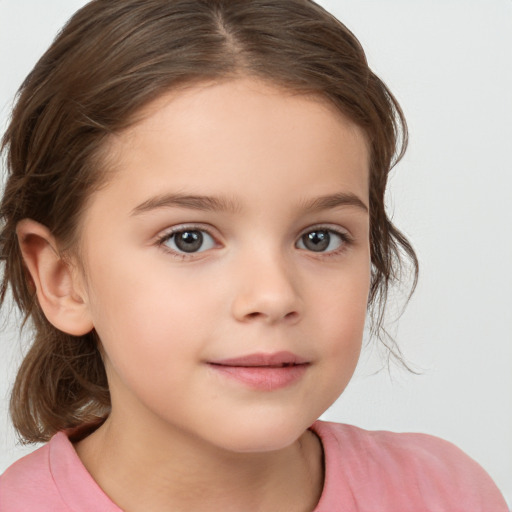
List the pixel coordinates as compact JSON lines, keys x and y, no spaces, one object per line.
{"x":288,"y":316}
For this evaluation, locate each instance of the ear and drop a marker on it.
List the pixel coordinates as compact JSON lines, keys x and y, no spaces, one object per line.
{"x":59,"y":287}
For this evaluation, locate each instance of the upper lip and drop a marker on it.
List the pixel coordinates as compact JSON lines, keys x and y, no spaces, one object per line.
{"x":275,"y":359}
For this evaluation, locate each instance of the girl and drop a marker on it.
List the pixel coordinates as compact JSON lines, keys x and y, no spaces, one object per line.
{"x":194,"y":224}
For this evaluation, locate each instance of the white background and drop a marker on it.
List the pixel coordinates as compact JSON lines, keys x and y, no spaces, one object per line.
{"x":449,"y":62}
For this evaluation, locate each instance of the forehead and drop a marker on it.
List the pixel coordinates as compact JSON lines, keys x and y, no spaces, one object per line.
{"x":239,"y":132}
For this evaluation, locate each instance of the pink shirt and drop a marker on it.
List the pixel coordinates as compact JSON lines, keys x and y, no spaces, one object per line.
{"x":364,"y":472}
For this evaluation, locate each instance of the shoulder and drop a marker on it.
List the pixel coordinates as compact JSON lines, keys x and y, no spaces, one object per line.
{"x":403,"y":469}
{"x":52,"y":479}
{"x":401,"y":450}
{"x":28,"y":485}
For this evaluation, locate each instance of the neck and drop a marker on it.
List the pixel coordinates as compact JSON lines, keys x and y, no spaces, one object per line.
{"x":152,"y":470}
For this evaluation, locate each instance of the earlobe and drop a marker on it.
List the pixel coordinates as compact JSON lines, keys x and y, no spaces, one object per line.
{"x":58,"y":289}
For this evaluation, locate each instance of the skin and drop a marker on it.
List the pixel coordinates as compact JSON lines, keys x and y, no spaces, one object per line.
{"x":181,"y":436}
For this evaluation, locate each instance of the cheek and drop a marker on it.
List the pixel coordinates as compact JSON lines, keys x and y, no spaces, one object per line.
{"x":344,"y":326}
{"x":341,"y":315}
{"x":338,"y":332}
{"x":149,"y":315}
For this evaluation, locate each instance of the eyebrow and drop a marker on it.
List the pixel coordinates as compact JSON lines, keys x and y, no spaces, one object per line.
{"x":192,"y":202}
{"x":225,"y":204}
{"x":334,"y":201}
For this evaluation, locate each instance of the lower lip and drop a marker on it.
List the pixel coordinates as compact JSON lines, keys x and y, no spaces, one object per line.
{"x":263,"y":378}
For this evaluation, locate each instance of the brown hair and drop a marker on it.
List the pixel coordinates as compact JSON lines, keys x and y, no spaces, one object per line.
{"x":114,"y":57}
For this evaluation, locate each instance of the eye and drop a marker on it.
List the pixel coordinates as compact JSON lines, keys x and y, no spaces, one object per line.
{"x":322,"y":240}
{"x":188,"y":241}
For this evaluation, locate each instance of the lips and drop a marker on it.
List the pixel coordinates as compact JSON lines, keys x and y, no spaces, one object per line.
{"x":263,"y":372}
{"x":277,"y":359}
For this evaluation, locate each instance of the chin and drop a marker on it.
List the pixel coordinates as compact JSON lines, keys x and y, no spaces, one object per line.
{"x":259,"y":436}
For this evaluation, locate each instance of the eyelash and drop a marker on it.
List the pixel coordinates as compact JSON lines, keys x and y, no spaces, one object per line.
{"x":179,"y":229}
{"x":346,"y":240}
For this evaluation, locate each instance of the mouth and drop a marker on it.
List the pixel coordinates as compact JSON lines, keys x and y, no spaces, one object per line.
{"x":264,"y":372}
{"x":275,"y":360}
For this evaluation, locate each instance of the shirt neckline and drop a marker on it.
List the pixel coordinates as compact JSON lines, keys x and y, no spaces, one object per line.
{"x":80,"y":492}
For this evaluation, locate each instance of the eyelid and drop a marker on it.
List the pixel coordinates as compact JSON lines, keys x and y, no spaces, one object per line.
{"x":327,"y":226}
{"x":343,"y":233}
{"x":345,"y":236}
{"x":334,"y":228}
{"x":169,"y":232}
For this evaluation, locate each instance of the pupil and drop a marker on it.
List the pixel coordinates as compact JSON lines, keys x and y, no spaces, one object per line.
{"x":317,"y":240}
{"x":189,"y":241}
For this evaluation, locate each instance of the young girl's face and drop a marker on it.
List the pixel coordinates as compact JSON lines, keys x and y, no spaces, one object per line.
{"x":233,"y":237}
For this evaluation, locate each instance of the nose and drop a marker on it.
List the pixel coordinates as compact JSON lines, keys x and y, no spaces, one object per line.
{"x":266,"y":291}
